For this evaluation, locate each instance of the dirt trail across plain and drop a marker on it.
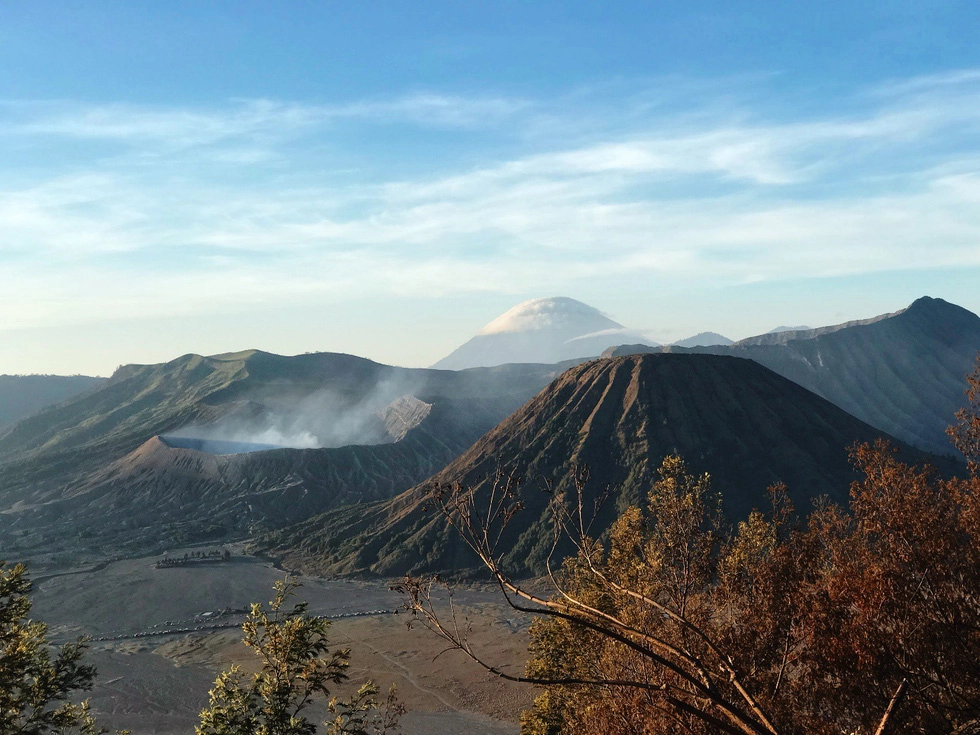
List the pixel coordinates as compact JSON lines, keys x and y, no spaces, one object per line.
{"x":154,"y":682}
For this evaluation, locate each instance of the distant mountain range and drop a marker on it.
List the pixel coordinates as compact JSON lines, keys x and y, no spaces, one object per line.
{"x":227,"y":446}
{"x":777,"y":330}
{"x":902,"y":372}
{"x":22,"y":395}
{"x":703,"y":339}
{"x":745,"y":425}
{"x":541,"y":331}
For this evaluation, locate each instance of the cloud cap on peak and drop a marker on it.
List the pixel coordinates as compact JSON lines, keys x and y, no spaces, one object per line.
{"x":555,"y":312}
{"x":544,"y":330}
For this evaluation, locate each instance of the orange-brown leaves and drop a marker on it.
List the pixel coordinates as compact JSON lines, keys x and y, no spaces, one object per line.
{"x":818,"y":622}
{"x":966,"y":433}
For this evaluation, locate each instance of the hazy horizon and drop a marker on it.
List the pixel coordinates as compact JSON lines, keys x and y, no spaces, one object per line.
{"x":217,"y":177}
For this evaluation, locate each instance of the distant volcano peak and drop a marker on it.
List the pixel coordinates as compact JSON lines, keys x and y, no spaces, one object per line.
{"x":555,"y":312}
{"x":544,"y":330}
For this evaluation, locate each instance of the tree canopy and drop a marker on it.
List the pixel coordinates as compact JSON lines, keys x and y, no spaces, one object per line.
{"x":296,"y":667}
{"x":851,"y":620}
{"x":36,"y":689}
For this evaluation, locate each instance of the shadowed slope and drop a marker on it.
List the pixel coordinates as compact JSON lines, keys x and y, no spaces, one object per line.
{"x":164,"y":494}
{"x":731,"y":417}
{"x":22,"y":395}
{"x":72,"y":462}
{"x":903,"y":372}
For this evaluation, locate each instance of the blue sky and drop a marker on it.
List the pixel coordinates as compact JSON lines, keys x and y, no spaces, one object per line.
{"x":385,"y":178}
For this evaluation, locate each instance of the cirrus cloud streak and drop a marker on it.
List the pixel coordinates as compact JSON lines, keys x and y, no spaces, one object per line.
{"x":257,"y":202}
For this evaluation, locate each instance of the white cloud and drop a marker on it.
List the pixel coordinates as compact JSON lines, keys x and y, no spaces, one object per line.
{"x":436,"y":110}
{"x":735,"y":198}
{"x":264,"y":120}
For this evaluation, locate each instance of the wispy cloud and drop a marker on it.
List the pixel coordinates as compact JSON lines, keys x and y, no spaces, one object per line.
{"x":262,"y":119}
{"x":436,"y":110}
{"x":260,"y":201}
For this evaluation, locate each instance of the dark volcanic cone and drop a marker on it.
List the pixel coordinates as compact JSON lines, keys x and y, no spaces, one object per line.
{"x":745,"y":425}
{"x":904,"y":372}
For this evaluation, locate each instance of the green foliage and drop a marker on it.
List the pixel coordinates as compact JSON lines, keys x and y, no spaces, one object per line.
{"x":297,"y":666}
{"x":34,"y":688}
{"x":364,"y":713}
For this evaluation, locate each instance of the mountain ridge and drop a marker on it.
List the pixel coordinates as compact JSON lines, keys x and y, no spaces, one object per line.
{"x":23,"y":395}
{"x":903,"y":372}
{"x":743,"y":423}
{"x":63,"y":453}
{"x":703,"y":339}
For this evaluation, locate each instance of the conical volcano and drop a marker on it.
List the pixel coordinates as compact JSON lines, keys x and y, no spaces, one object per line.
{"x":541,"y":330}
{"x":903,"y":372}
{"x":740,"y":422}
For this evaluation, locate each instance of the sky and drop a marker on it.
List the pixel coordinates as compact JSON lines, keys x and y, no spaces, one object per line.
{"x":385,"y":178}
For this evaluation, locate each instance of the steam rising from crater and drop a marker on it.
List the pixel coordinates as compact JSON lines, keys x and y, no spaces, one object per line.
{"x":323,"y":418}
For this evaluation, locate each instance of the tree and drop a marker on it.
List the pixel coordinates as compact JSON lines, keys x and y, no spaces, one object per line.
{"x":673,"y":621}
{"x":35,"y":689}
{"x":297,"y":666}
{"x":965,"y":434}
